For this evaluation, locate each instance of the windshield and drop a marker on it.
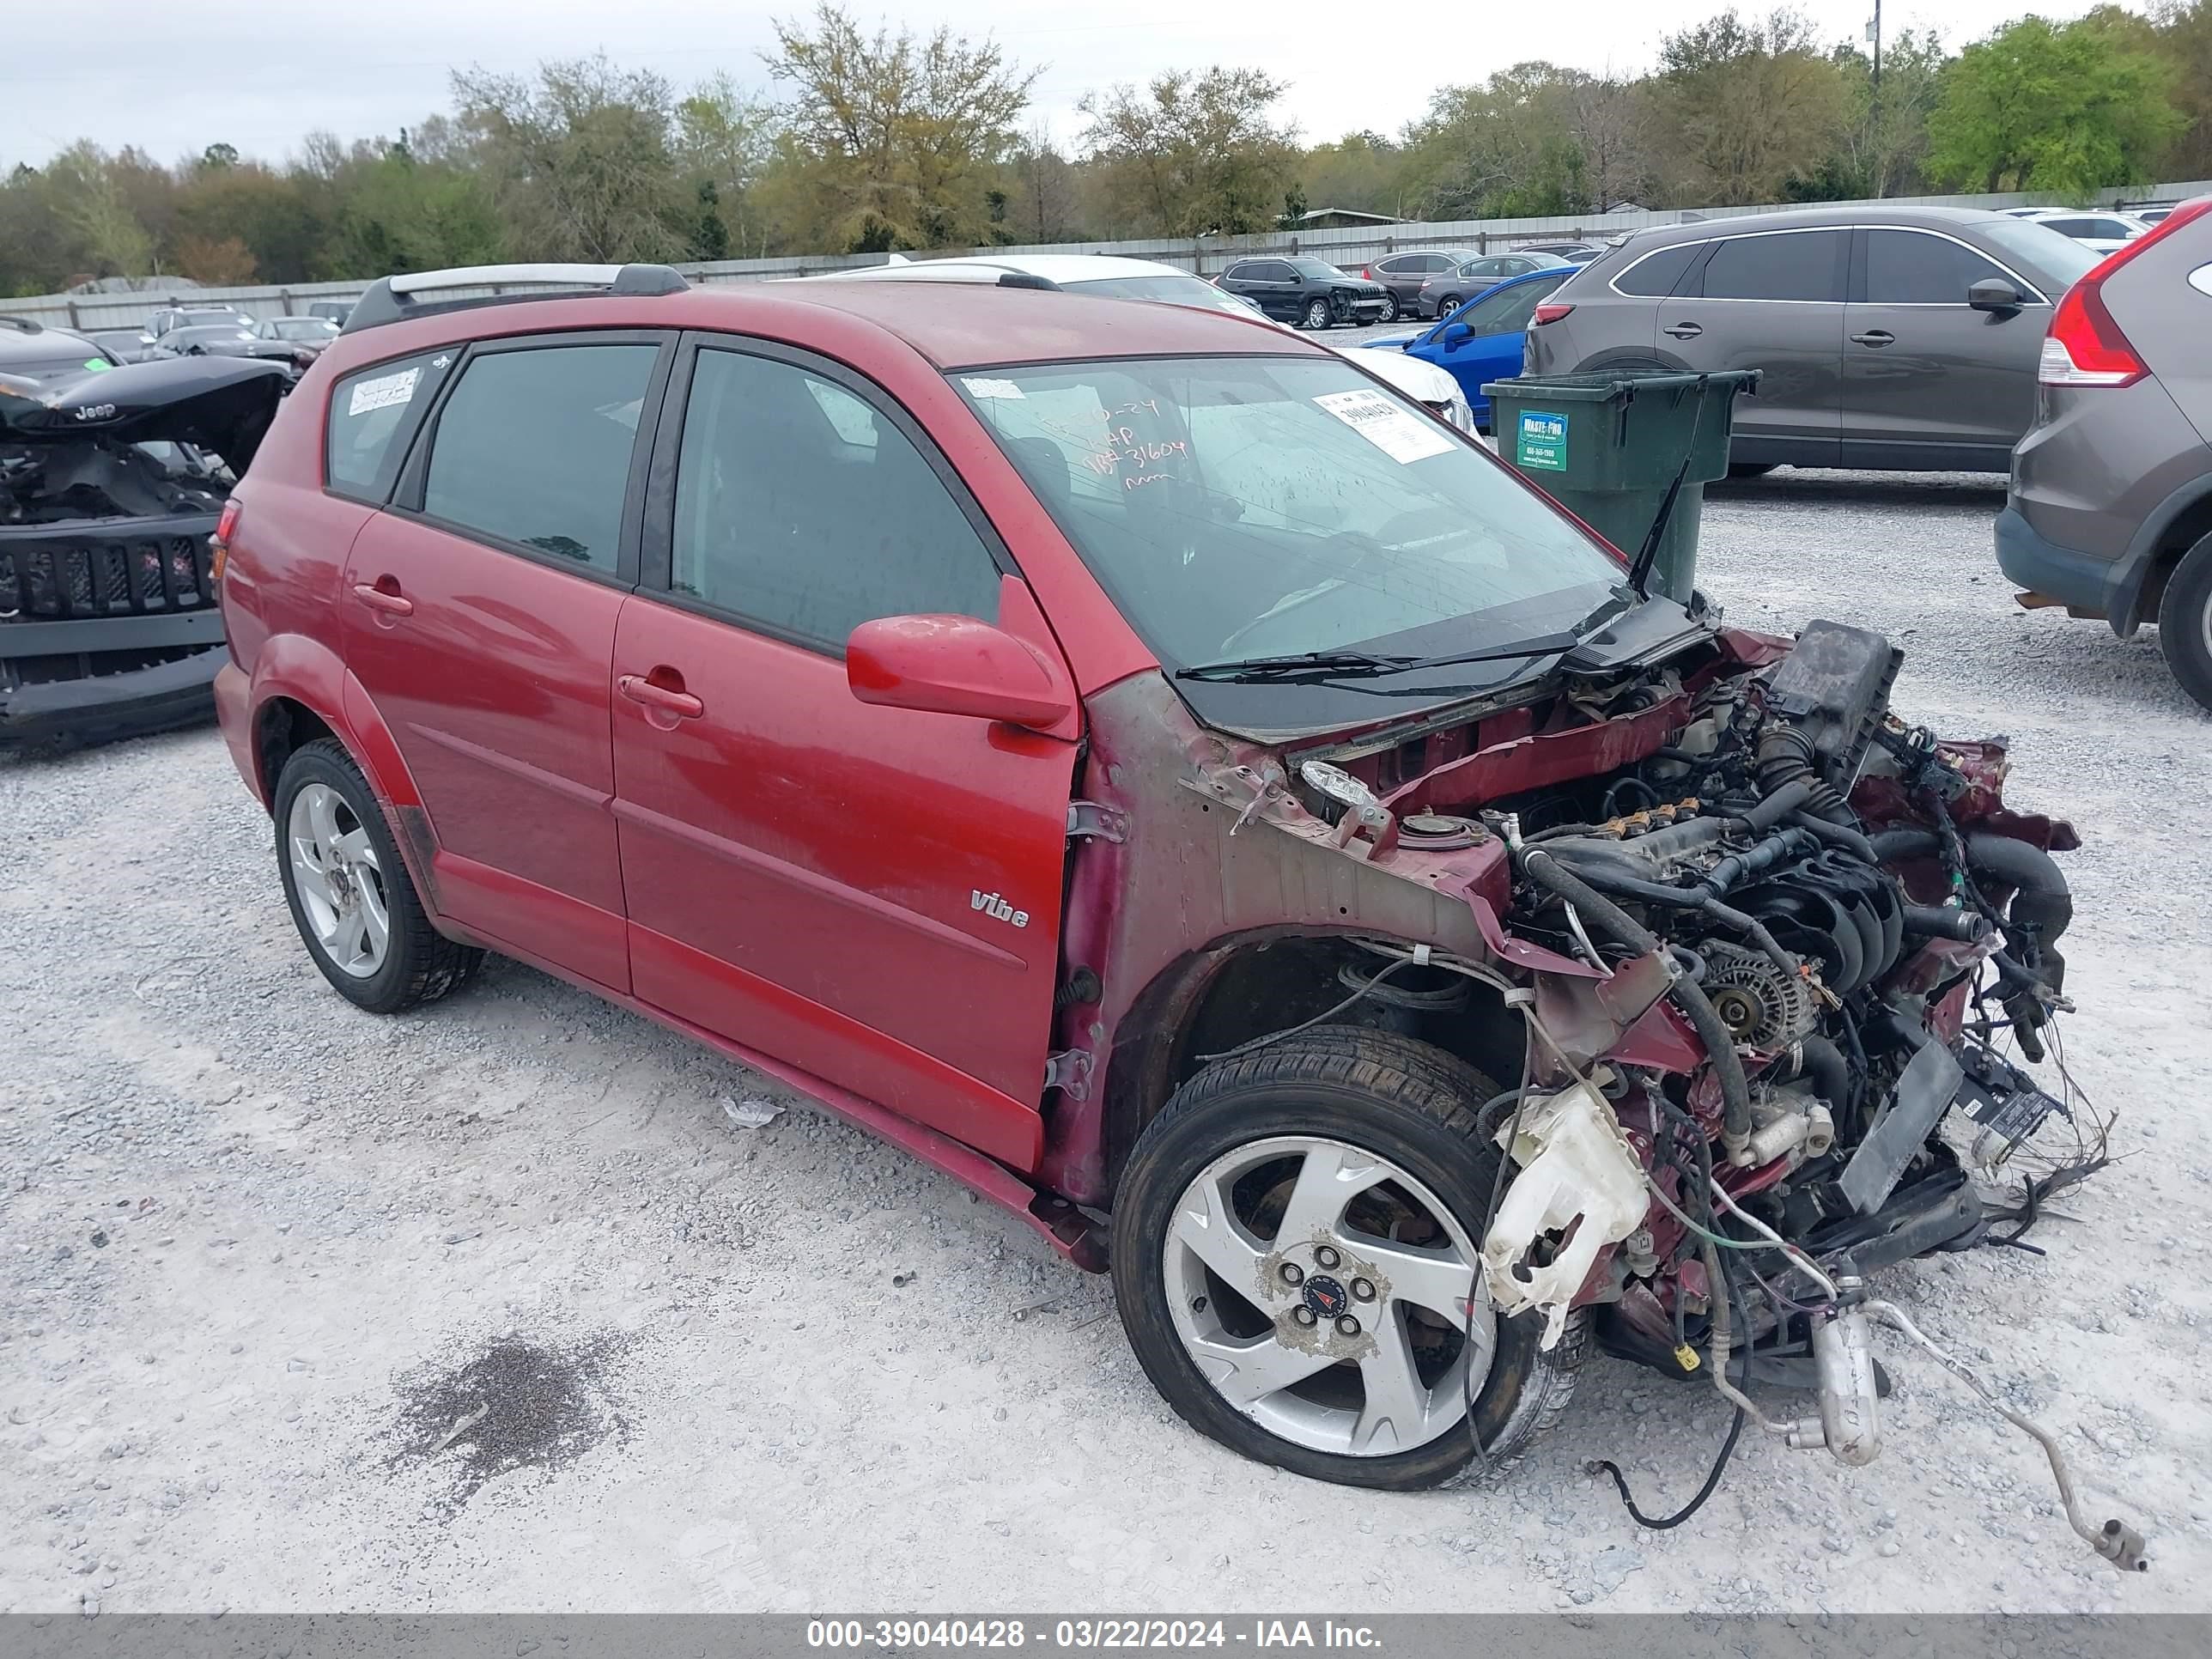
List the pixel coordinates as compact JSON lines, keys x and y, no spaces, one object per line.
{"x":302,"y":328}
{"x":1318,"y":268}
{"x":1241,"y":507}
{"x":207,"y":335}
{"x":2040,"y":253}
{"x":1194,"y":291}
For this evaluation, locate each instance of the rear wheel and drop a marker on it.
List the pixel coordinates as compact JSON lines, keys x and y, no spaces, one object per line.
{"x":1390,"y":310}
{"x":2185,"y":622}
{"x":1294,"y":1243}
{"x":1447,"y":305}
{"x":350,"y":895}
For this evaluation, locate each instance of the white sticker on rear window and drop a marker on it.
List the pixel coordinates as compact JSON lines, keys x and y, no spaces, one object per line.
{"x":1400,"y":435}
{"x":984,"y":386}
{"x":384,"y":391}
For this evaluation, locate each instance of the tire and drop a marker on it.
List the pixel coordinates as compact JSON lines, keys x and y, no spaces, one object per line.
{"x":1389,"y":310}
{"x":1380,"y":1096}
{"x":1446,"y":305}
{"x":2185,"y":622}
{"x":416,"y":963}
{"x":1316,"y":314}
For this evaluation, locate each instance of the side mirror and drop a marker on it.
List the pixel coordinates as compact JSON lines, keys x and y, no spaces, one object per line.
{"x":1994,"y":294}
{"x":1455,"y":332}
{"x":957,"y":666}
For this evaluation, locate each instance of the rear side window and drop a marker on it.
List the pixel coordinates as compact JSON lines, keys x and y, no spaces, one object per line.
{"x":1654,"y":276}
{"x":369,"y":412}
{"x":1908,"y":268}
{"x":1797,"y":264}
{"x":534,"y":447}
{"x":803,"y":507}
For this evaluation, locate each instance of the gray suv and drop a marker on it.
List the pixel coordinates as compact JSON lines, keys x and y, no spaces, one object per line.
{"x":2110,"y":513}
{"x":1890,"y":337}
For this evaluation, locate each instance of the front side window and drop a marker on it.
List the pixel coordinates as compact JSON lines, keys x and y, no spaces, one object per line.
{"x":1910,"y":268}
{"x":1797,"y":264}
{"x":369,"y":410}
{"x":1236,"y":508}
{"x":534,"y":447}
{"x":803,"y":507}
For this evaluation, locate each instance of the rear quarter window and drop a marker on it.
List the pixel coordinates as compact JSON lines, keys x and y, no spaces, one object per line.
{"x":1655,"y":276}
{"x":370,"y":412}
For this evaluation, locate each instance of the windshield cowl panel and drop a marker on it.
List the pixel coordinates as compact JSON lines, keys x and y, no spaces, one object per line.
{"x":1253,"y":507}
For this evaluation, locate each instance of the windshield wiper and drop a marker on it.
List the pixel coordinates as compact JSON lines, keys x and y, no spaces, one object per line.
{"x":1322,"y":666}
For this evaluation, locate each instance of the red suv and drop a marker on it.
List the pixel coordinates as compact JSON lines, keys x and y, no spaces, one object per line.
{"x":1140,"y":764}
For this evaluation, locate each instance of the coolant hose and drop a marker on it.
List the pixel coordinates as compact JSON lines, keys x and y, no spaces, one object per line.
{"x":1946,"y":922}
{"x":1835,"y":835}
{"x":1600,"y":912}
{"x":1691,"y":898}
{"x":1780,"y":806}
{"x":2041,"y":901}
{"x":1822,"y":1060}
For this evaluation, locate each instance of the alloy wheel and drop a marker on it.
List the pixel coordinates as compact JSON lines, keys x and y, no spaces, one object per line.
{"x":1322,"y":1292}
{"x":339,"y":880}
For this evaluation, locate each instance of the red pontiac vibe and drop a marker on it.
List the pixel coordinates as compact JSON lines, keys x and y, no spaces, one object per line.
{"x":1151,"y":771}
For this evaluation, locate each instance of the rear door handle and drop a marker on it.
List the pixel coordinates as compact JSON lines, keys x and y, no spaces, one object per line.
{"x":383,"y":594}
{"x":1874,"y":337}
{"x":667,"y":700}
{"x":1682,"y":331}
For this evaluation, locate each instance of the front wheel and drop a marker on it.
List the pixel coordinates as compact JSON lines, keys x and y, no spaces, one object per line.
{"x":1294,"y":1248}
{"x":2185,"y":622}
{"x":1316,"y":313}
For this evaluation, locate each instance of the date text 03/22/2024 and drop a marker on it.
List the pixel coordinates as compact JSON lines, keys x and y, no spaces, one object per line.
{"x":898,"y":1634}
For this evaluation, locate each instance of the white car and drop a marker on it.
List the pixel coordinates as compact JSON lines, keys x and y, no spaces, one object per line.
{"x":2105,"y":232}
{"x":1107,"y":277}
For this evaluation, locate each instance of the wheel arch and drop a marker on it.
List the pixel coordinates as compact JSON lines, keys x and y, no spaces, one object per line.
{"x":1246,"y":986}
{"x":2178,"y":524}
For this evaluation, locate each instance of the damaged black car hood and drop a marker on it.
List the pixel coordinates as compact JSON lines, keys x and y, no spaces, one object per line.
{"x":223,"y":404}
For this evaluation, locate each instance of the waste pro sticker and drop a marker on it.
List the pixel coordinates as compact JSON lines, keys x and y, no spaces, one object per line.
{"x":1541,"y":441}
{"x":384,"y":391}
{"x":1400,"y":435}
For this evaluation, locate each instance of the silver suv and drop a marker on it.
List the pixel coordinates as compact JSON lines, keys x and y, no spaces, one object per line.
{"x":1890,"y":337}
{"x":2110,"y":513}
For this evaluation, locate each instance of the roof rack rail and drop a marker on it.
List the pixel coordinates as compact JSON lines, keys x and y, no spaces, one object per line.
{"x":395,"y":299}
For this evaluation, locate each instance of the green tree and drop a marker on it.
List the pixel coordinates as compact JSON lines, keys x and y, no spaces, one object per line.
{"x":580,"y":159}
{"x":1362,"y":171}
{"x":892,"y":141}
{"x":1191,"y":155}
{"x":2064,"y":108}
{"x":1745,"y":103}
{"x":2183,"y":41}
{"x":1043,"y":190}
{"x":1882,"y":150}
{"x":1507,"y":147}
{"x":725,"y":139}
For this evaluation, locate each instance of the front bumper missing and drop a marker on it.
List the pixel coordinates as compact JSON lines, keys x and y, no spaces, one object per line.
{"x":97,"y":708}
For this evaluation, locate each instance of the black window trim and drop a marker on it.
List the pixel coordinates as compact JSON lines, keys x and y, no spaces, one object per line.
{"x":1700,"y":250}
{"x":1856,"y":292}
{"x":407,"y":492}
{"x":657,"y":540}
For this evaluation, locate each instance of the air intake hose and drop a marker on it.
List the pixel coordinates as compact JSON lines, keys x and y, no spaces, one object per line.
{"x":1785,"y":755}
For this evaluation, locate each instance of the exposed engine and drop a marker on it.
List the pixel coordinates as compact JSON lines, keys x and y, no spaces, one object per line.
{"x":1806,"y":932}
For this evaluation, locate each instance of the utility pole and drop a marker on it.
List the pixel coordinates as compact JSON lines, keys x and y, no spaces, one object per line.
{"x":1877,"y":49}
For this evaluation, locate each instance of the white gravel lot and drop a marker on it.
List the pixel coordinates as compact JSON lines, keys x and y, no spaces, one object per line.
{"x":256,"y":1246}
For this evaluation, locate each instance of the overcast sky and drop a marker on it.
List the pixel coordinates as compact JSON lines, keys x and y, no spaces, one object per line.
{"x":259,"y":74}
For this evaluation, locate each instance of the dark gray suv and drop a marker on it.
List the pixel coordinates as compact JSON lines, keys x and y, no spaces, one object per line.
{"x":1890,"y":337}
{"x":2110,"y":513}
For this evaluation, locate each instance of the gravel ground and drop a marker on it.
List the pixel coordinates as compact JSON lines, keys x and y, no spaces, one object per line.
{"x":493,"y":1307}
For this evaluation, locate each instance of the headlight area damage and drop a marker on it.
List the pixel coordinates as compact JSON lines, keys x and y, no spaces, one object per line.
{"x":111,"y":484}
{"x":1780,"y":960}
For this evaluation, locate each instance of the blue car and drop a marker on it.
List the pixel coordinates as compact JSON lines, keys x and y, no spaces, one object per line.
{"x":1481,"y":341}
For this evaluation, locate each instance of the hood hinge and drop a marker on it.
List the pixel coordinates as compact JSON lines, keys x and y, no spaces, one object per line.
{"x":1069,"y":1071}
{"x":1088,"y":817}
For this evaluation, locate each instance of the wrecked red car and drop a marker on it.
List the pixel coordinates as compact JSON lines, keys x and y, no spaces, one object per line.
{"x":1180,"y":788}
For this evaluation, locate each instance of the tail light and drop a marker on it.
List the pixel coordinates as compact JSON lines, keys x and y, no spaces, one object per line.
{"x":225,"y":527}
{"x":2086,"y":347}
{"x":1549,"y":313}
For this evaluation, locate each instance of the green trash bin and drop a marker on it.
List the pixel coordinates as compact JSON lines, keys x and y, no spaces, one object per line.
{"x":1609,"y":447}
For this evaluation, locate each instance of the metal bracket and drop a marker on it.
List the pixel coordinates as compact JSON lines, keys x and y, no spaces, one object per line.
{"x":1069,"y":1071}
{"x":1088,"y":817}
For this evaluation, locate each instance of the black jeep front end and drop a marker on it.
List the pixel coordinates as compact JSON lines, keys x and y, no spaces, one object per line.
{"x":111,"y":487}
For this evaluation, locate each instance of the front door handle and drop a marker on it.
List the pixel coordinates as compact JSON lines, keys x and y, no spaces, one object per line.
{"x":384,"y":595}
{"x":1682,"y":331}
{"x":661,"y":697}
{"x":1874,"y":337}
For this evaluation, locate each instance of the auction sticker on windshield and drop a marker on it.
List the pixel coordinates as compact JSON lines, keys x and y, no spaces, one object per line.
{"x":1401,"y":436}
{"x":1541,"y":441}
